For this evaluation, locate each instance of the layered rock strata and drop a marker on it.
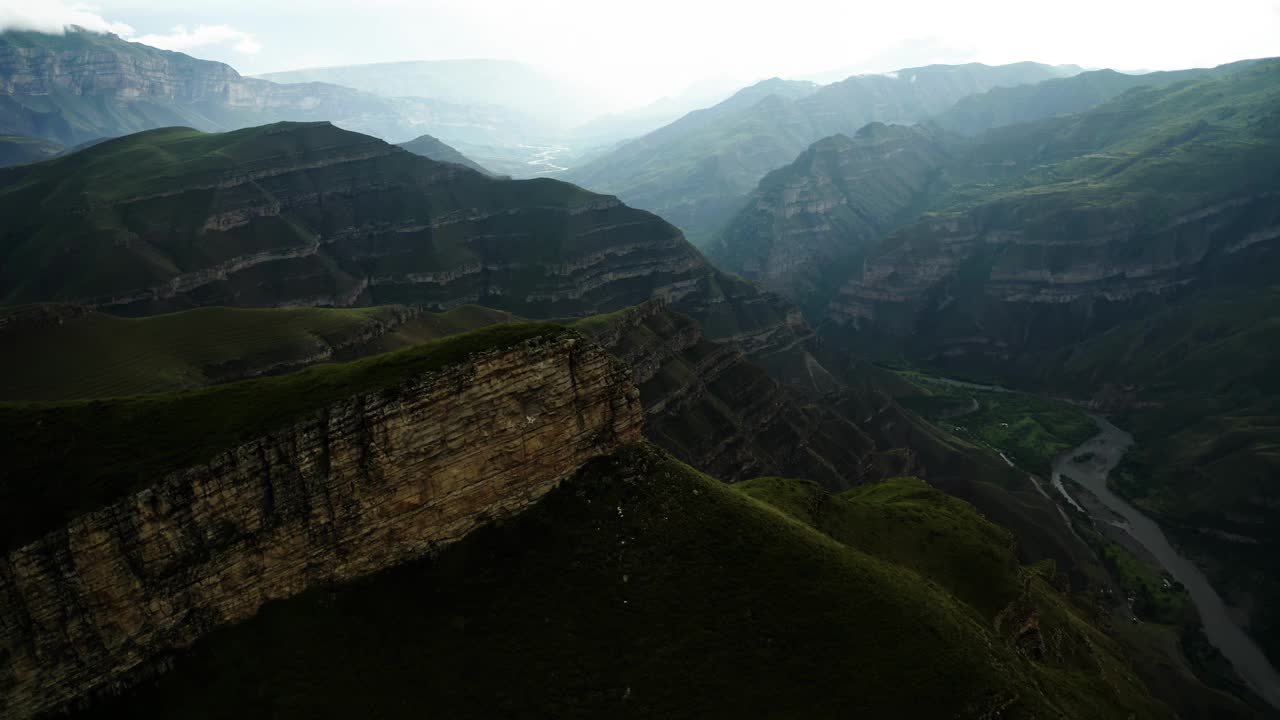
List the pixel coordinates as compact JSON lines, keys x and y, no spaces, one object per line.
{"x":370,"y":482}
{"x":808,"y":225}
{"x":308,"y":214}
{"x":994,"y":283}
{"x":707,"y":404}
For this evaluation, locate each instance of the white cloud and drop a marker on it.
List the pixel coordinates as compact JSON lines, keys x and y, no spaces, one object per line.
{"x":182,"y":39}
{"x":52,"y":16}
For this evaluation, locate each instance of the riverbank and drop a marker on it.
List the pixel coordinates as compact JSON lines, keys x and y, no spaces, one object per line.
{"x":1089,"y":465}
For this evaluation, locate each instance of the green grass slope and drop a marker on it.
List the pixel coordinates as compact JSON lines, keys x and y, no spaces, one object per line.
{"x":1058,"y":96}
{"x":67,"y":458}
{"x":67,"y":352}
{"x":19,"y":149}
{"x":310,"y":214}
{"x":643,"y":589}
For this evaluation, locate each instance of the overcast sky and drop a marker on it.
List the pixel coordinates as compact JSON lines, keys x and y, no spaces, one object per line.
{"x":639,"y":50}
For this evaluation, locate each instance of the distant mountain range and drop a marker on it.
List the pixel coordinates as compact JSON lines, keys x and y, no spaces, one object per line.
{"x":548,"y":104}
{"x":83,"y":86}
{"x":807,"y":226}
{"x":698,"y":171}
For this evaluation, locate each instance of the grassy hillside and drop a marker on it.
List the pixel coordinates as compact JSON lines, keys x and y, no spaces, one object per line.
{"x":1154,"y":151}
{"x":19,"y":149}
{"x":66,"y":352}
{"x":644,"y":589}
{"x":76,"y":456}
{"x":1058,"y":96}
{"x":310,"y":214}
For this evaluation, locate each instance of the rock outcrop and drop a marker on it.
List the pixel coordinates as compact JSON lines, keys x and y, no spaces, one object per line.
{"x":368,"y":483}
{"x":708,"y":405}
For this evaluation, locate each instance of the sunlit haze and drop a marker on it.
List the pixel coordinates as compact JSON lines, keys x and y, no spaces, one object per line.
{"x":632,"y":53}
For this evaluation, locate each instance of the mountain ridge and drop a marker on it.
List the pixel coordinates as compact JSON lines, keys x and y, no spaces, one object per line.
{"x":697,"y":174}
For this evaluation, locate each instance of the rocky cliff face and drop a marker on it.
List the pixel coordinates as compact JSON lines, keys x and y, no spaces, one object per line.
{"x":809,"y":225}
{"x":990,"y":282}
{"x":366,"y":484}
{"x":31,"y":69}
{"x":708,"y":405}
{"x":80,"y":86}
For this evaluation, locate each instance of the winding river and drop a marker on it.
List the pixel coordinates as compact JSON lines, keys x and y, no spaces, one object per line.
{"x":1107,"y":448}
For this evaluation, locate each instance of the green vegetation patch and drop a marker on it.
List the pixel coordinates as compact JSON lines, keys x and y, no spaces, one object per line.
{"x":912,"y":524}
{"x":68,"y":353}
{"x":1028,"y":429}
{"x":71,"y":457}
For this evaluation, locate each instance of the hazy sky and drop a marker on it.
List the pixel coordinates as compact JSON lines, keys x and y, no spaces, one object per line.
{"x":638,"y":50}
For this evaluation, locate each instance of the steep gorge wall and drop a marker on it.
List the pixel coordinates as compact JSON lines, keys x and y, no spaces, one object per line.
{"x":372,"y":481}
{"x":809,"y":224}
{"x":991,"y":283}
{"x":708,"y":405}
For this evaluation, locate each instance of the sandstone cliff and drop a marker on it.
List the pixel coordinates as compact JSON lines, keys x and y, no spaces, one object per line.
{"x":369,"y":482}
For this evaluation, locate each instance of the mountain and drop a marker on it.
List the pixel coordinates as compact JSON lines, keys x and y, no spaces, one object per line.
{"x":429,"y":147}
{"x":295,"y":214}
{"x":1055,"y":230}
{"x":1059,"y":96}
{"x":69,"y":352}
{"x":82,"y":86}
{"x":308,"y":214}
{"x":628,"y":124}
{"x":354,"y":506}
{"x":808,"y":226}
{"x":548,"y":101}
{"x":698,"y":171}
